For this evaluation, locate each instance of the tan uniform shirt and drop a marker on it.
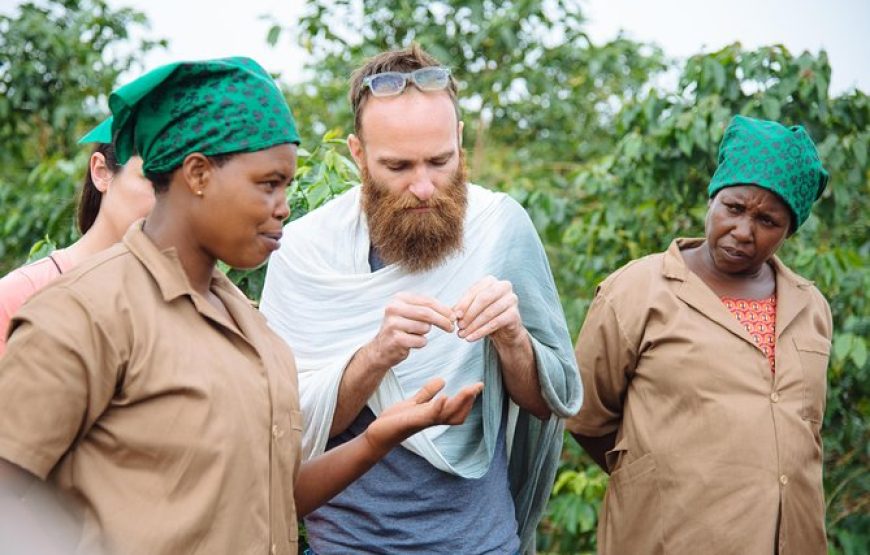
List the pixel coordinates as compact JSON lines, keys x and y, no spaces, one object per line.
{"x":712,"y":448}
{"x":174,"y":429}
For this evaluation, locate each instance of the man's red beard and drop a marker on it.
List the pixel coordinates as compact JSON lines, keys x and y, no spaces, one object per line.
{"x":417,"y":241}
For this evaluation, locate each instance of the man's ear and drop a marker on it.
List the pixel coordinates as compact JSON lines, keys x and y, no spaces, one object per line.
{"x":460,"y":127}
{"x":197,"y":171}
{"x":355,"y":146}
{"x":101,"y":175}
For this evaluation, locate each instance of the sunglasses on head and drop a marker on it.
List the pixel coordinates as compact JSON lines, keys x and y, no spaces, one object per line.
{"x":391,"y":83}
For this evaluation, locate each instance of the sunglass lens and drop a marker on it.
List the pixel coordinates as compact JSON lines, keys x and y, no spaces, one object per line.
{"x":386,"y":84}
{"x":431,"y":78}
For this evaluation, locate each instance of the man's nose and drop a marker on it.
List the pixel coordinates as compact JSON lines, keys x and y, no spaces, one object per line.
{"x":423,"y":186}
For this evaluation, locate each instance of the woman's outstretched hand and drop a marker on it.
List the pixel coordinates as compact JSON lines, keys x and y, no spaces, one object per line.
{"x":324,"y":476}
{"x":424,"y":409}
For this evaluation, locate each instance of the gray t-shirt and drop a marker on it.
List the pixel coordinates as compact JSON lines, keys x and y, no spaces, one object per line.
{"x":405,"y":505}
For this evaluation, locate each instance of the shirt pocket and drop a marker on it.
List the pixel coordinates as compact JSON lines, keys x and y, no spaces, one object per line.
{"x":813,"y":353}
{"x":633,"y":471}
{"x":632,"y":510}
{"x":621,"y":469}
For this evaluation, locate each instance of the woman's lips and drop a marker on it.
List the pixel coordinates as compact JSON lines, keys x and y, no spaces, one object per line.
{"x":736,"y":254}
{"x":272,"y":239}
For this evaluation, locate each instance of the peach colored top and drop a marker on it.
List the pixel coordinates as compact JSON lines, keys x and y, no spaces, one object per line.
{"x":19,"y":285}
{"x":758,"y":317}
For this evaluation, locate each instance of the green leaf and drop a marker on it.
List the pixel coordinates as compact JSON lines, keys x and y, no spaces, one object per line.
{"x":719,"y":76}
{"x":842,"y":345}
{"x":274,"y":35}
{"x":41,"y":249}
{"x":859,"y":352}
{"x":684,"y":141}
{"x":770,"y":107}
{"x":859,"y":148}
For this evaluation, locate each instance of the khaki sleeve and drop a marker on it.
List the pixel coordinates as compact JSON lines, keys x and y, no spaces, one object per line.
{"x":57,"y":376}
{"x":606,"y":359}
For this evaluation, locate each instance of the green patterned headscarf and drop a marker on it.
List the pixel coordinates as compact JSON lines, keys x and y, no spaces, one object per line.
{"x":780,"y":159}
{"x":213,"y":107}
{"x":102,"y":133}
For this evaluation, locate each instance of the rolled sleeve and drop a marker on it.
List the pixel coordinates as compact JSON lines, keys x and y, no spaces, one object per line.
{"x":54,"y":381}
{"x":606,"y":359}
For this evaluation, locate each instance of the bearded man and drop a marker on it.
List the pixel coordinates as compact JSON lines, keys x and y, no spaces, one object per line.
{"x":416,"y":274}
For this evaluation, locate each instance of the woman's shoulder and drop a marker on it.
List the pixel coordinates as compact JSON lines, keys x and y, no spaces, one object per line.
{"x":789,"y":278}
{"x":636,"y":274}
{"x":97,"y":278}
{"x":20,"y":284}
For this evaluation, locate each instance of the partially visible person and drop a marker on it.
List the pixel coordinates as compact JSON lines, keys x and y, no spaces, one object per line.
{"x":113,"y":196}
{"x":143,"y":385}
{"x":704,"y":370}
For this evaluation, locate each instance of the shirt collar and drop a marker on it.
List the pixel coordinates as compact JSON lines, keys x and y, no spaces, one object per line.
{"x":674,"y":267}
{"x":165,"y":267}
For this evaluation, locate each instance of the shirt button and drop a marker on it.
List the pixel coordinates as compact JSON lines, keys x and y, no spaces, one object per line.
{"x":783,"y":479}
{"x":275,"y":431}
{"x":774,"y":397}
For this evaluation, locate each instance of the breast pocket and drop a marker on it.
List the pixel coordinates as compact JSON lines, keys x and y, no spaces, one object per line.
{"x":814,"y":354}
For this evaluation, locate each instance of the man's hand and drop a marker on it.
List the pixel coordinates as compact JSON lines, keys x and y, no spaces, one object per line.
{"x":490,"y":308}
{"x":407,"y":320}
{"x":421,"y":411}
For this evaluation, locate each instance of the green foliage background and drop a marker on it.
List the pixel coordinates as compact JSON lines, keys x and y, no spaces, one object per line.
{"x":610,"y":161}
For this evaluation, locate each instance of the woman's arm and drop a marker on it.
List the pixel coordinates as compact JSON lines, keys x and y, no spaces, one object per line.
{"x":606,"y":357}
{"x":321,"y":478}
{"x":597,"y":447}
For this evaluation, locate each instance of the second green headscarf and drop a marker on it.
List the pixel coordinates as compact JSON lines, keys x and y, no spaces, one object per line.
{"x":213,"y":107}
{"x":769,"y":155}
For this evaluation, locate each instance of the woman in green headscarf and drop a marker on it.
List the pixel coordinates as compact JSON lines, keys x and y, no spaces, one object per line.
{"x":160,"y":403}
{"x":704,"y":370}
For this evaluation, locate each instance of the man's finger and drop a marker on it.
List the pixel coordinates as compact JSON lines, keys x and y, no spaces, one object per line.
{"x":461,"y":307}
{"x":490,"y":314}
{"x":425,"y":309}
{"x":423,"y":300}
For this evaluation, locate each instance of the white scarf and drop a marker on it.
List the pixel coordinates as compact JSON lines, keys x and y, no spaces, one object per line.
{"x":323,"y":299}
